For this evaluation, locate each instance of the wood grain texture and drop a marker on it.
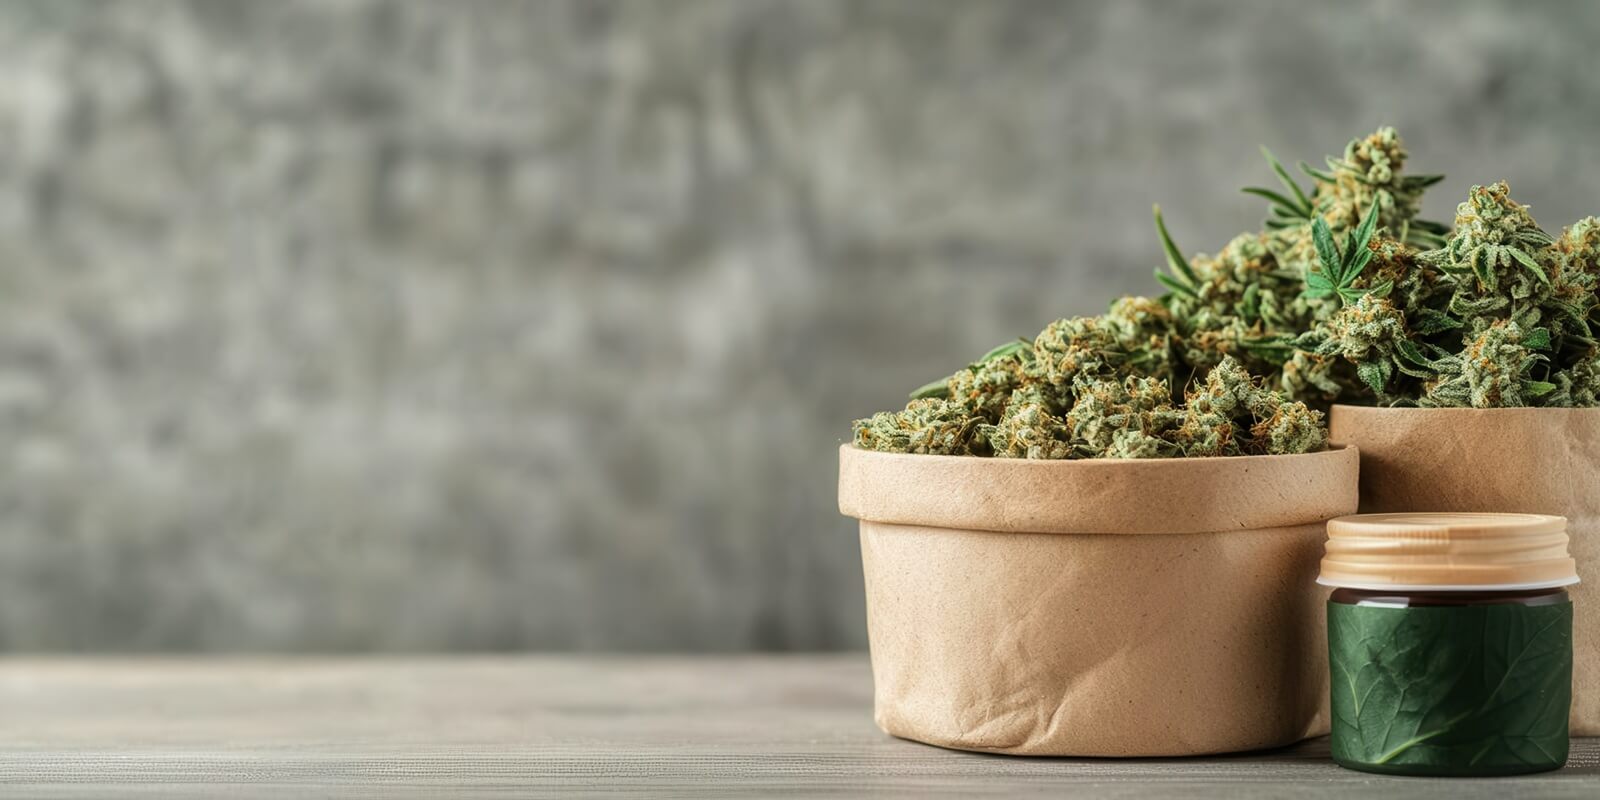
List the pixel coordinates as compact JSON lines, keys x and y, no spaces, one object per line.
{"x":559,"y":726}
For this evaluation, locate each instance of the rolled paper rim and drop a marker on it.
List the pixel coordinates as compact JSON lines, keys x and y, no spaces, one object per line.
{"x":1510,"y":411}
{"x":1102,"y":496}
{"x":1435,"y":551}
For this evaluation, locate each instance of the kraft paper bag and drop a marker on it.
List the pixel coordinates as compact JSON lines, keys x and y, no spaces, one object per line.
{"x":1534,"y":460}
{"x":1097,"y":608}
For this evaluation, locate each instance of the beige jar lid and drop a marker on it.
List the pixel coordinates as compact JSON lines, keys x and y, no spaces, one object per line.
{"x":1448,"y":552}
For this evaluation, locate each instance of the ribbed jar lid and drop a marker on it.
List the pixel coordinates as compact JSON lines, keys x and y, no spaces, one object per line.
{"x":1448,"y":552}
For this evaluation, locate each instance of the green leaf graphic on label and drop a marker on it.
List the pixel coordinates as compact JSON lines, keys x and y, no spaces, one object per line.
{"x":1477,"y":689}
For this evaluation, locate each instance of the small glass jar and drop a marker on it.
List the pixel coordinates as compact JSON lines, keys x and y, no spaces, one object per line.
{"x":1449,"y":642}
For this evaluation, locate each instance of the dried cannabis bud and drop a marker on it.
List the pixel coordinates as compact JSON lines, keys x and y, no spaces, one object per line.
{"x":1345,"y":295}
{"x":1029,"y":430}
{"x":1232,"y":413}
{"x":1497,"y":316}
{"x":1312,"y":375}
{"x":1133,"y":416}
{"x":1251,"y":300}
{"x":1579,"y":385}
{"x":1143,"y":329}
{"x":1372,"y":335}
{"x":985,"y":386}
{"x":1498,"y":255}
{"x":1068,"y":349}
{"x":1122,"y":419}
{"x":1397,"y":271}
{"x":1236,"y":303}
{"x":1291,"y":428}
{"x":1229,"y":414}
{"x":1580,"y":250}
{"x":1493,"y":371}
{"x":930,"y":426}
{"x":1368,"y":175}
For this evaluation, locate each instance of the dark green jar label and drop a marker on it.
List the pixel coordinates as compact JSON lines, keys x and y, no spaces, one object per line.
{"x":1450,"y":690}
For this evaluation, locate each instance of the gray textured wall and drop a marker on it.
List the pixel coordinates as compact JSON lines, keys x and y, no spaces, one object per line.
{"x":416,"y":325}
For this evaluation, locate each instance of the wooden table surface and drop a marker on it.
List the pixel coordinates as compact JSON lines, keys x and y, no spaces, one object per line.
{"x":558,"y":726}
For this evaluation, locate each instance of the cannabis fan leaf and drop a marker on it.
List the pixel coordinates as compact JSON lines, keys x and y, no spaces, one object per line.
{"x":1286,"y":210}
{"x":1182,"y":280}
{"x":1339,"y":269}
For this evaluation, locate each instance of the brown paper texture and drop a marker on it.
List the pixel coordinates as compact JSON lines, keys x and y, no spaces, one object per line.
{"x":1166,"y":495}
{"x":1203,"y":633}
{"x":1532,"y":460}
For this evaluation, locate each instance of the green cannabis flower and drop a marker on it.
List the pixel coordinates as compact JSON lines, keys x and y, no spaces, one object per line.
{"x":1397,"y":271}
{"x":1264,"y":290}
{"x":1372,"y":335}
{"x":1208,"y":426}
{"x":1345,"y":295}
{"x":1472,"y":322}
{"x":1367,"y":175}
{"x":1029,"y":430}
{"x":1108,"y":412}
{"x":1579,"y":385}
{"x":1133,"y":318}
{"x":1308,"y":374}
{"x":1232,"y":413}
{"x":1580,"y":246}
{"x":1241,"y":263}
{"x":1493,"y":371}
{"x":1498,"y":253}
{"x":1365,"y":330}
{"x":985,"y":386}
{"x":1143,"y":328}
{"x":1236,"y":303}
{"x":1573,"y":294}
{"x":1206,"y":337}
{"x":1112,"y":411}
{"x":1132,"y":443}
{"x":1070,"y":348}
{"x":1291,"y":428}
{"x":929,"y":425}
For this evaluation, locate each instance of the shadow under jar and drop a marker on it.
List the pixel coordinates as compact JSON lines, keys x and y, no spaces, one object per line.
{"x":1449,"y":642}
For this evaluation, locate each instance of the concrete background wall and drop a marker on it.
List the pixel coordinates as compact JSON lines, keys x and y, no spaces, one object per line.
{"x":488,"y":325}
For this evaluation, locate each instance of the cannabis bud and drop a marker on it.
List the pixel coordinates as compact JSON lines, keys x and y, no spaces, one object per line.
{"x":1122,"y":419}
{"x":1232,"y":413}
{"x":1368,"y":175}
{"x":1498,"y":255}
{"x":1110,"y":412}
{"x":1493,"y":371}
{"x":1344,"y":295}
{"x":1029,"y":430}
{"x":1491,"y":312}
{"x":1496,"y":316}
{"x":1372,"y":335}
{"x":1071,"y":348}
{"x":984,"y":387}
{"x":930,"y":426}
